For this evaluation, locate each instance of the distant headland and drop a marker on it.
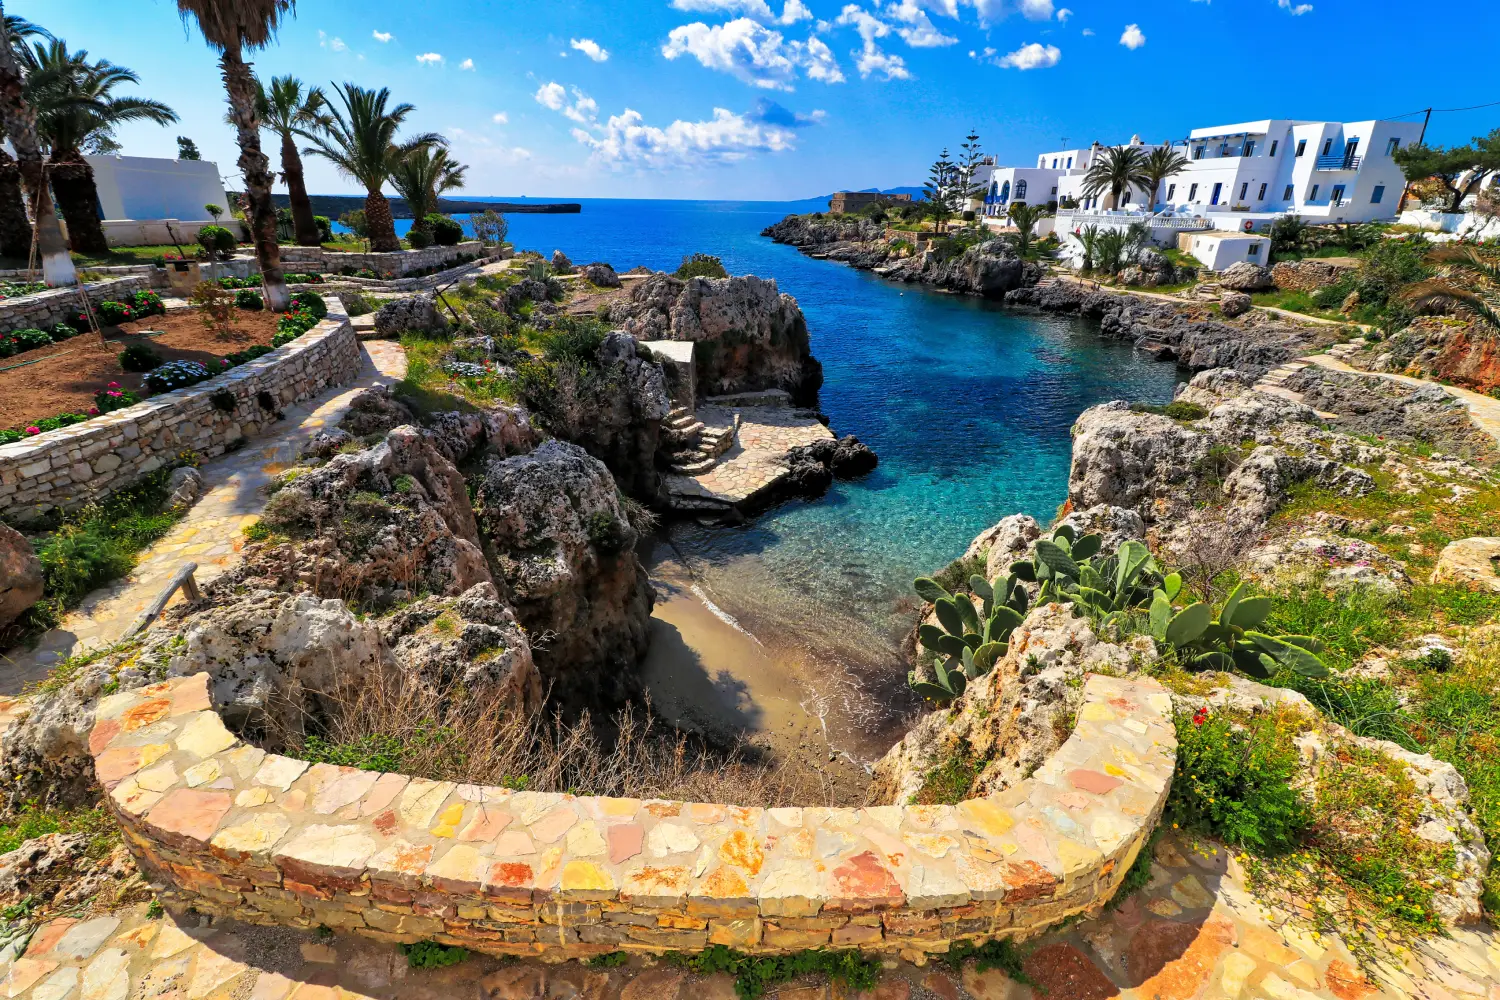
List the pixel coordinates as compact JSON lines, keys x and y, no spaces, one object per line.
{"x":334,"y":205}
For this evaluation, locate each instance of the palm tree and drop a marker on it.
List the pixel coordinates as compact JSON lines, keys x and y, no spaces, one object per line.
{"x":358,"y":140}
{"x":230,"y":27}
{"x":1161,"y":163}
{"x":76,"y":111}
{"x":1024,"y":217}
{"x":293,"y":112}
{"x":1088,"y":241}
{"x":1471,"y":284}
{"x":1116,"y":169}
{"x":20,"y":127}
{"x":420,"y":172}
{"x":15,"y":227}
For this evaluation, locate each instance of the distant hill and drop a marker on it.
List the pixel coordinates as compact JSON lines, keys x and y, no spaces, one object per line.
{"x":334,"y":205}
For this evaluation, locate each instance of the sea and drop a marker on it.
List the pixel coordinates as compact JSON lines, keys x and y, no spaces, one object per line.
{"x":967,"y":405}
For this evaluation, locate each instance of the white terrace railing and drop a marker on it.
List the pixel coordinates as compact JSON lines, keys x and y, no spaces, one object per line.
{"x":1184,"y":222}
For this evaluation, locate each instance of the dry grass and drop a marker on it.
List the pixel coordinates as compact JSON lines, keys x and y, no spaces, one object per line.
{"x":392,"y":724}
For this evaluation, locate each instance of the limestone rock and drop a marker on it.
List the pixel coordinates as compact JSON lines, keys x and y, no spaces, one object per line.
{"x":1010,"y":716}
{"x":325,"y":444}
{"x":1234,"y":304}
{"x":59,"y":871}
{"x":1004,"y":542}
{"x":1115,"y":525}
{"x":21,"y":581}
{"x":1470,"y":562}
{"x":1246,"y":277}
{"x":375,"y":411}
{"x":185,"y":486}
{"x":566,"y":550}
{"x":601,"y":274}
{"x":1336,"y":563}
{"x":1210,"y":388}
{"x":751,"y":336}
{"x":415,"y":314}
{"x":560,"y":263}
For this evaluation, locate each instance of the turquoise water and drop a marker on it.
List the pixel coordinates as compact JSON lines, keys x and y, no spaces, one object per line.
{"x":968,"y":406}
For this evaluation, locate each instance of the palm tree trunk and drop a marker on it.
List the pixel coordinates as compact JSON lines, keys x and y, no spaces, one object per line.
{"x":296,"y":187}
{"x":15,"y":227}
{"x":20,"y":127}
{"x":382,"y":226}
{"x":256,"y":168}
{"x":78,"y":198}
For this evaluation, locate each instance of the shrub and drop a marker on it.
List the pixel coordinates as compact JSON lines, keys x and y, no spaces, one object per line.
{"x":216,"y":240}
{"x":30,"y":339}
{"x":63,"y":331}
{"x":325,"y":228}
{"x":701,"y":265}
{"x":575,"y":339}
{"x":114,"y":398}
{"x":446,"y":232}
{"x":312,"y":302}
{"x":147,"y":303}
{"x":176,"y":374}
{"x":292,"y":325}
{"x":216,"y":307}
{"x":139,"y":358}
{"x":1234,"y":776}
{"x":248,"y":298}
{"x":110,"y":314}
{"x":419,"y":239}
{"x":431,"y":955}
{"x":249,"y":354}
{"x":754,"y":975}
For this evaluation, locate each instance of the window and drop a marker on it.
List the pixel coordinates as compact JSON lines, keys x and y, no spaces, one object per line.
{"x":1337,"y":197}
{"x":1254,"y":250}
{"x":1218,"y":189}
{"x":1274,"y":144}
{"x":1262,"y":195}
{"x":1223,"y":149}
{"x":1171,"y":191}
{"x":1005,"y":192}
{"x":1054,"y":190}
{"x":1125,"y":199}
{"x":995,"y":189}
{"x":1313,"y":196}
{"x":1301,"y":146}
{"x":1020,"y":190}
{"x":1377,"y":194}
{"x":1244,"y":190}
{"x":1198,"y":152}
{"x":1287,"y":194}
{"x":1070,"y":163}
{"x":1249,"y":147}
{"x":1327,"y":147}
{"x":1193,"y":193}
{"x":1392,"y":146}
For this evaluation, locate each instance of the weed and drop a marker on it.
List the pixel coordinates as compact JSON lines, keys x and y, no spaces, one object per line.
{"x":1234,"y":775}
{"x":431,"y":955}
{"x":754,"y":975}
{"x":950,"y":781}
{"x":609,"y":960}
{"x":1002,"y":955}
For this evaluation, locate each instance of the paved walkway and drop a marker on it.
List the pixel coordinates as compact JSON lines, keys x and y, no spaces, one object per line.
{"x":212,"y":532}
{"x":1194,"y":933}
{"x":1484,"y":409}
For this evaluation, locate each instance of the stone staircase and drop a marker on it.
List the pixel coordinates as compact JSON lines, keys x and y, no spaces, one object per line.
{"x":692,"y":446}
{"x":1274,"y":383}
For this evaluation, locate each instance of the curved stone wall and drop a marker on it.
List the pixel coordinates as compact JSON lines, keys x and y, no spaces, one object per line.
{"x":82,"y":462}
{"x":227,"y":828}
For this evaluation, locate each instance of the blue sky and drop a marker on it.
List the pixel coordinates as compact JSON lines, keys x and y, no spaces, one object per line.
{"x":785,"y":99}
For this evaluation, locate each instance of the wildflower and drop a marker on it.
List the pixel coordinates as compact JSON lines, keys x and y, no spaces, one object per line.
{"x":33,"y":429}
{"x":93,"y":411}
{"x":114,"y":385}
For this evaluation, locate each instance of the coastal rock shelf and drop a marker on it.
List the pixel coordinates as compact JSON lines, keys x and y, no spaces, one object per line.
{"x":754,"y":464}
{"x":235,"y":831}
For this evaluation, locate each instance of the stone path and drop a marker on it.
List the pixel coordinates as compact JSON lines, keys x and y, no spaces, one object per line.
{"x":1194,"y":933}
{"x":1485,"y":410}
{"x":1275,"y":384}
{"x":756,"y":460}
{"x":212,"y":532}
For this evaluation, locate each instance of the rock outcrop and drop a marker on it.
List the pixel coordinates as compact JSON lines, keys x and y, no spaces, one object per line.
{"x":375,"y":411}
{"x":1470,"y":562}
{"x":414,"y":314}
{"x":749,"y":335}
{"x":600,"y":274}
{"x":564,"y":549}
{"x":990,"y":269}
{"x":1246,"y":277}
{"x":21,"y":581}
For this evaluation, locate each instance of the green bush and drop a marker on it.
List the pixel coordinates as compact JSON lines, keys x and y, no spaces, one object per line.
{"x":293,"y":325}
{"x":431,"y":955}
{"x":248,"y":298}
{"x":701,"y":265}
{"x":419,"y":239}
{"x":575,"y":339}
{"x":139,"y":358}
{"x":109,"y":314}
{"x":312,"y":302}
{"x":114,"y":398}
{"x":446,"y":232}
{"x":30,"y":339}
{"x":216,"y":239}
{"x":325,"y":228}
{"x":147,"y":303}
{"x":1234,"y":777}
{"x":177,"y":375}
{"x":754,"y":975}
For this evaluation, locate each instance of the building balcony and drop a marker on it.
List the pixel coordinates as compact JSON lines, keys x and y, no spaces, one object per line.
{"x":1339,"y":162}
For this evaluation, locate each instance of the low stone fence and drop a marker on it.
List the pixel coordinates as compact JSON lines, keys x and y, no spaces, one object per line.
{"x":1309,"y":275}
{"x":82,"y":462}
{"x":45,"y":310}
{"x":398,"y":263}
{"x":232,"y":830}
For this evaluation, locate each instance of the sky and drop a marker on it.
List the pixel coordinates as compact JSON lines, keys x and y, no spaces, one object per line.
{"x":788,"y":99}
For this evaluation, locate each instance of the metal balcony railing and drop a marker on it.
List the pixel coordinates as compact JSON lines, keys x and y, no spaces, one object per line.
{"x":1339,"y":162}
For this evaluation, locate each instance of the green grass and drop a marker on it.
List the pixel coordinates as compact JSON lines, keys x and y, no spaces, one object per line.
{"x":1297,"y":302}
{"x":754,"y":975}
{"x":32,"y":822}
{"x":431,"y":955}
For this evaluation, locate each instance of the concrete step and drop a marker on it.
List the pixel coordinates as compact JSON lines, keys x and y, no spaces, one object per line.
{"x":695,"y":468}
{"x":678,"y":411}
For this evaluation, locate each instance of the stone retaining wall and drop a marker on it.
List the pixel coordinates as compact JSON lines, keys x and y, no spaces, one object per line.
{"x":45,"y":310}
{"x":399,"y":263}
{"x":1308,"y":275}
{"x":69,"y":466}
{"x":231,"y":830}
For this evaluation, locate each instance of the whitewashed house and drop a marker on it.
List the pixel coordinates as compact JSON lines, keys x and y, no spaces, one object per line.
{"x":153,"y":201}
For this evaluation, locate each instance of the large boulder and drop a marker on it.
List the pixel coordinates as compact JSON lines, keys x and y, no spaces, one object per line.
{"x":1298,"y":560}
{"x":374,"y":411}
{"x":565,"y":549}
{"x":600,"y":274}
{"x":1234,"y":304}
{"x":415,"y":314}
{"x":560,"y":263}
{"x":1246,"y":277}
{"x":21,"y":581}
{"x":749,"y":335}
{"x":1470,"y":562}
{"x":1003,"y":543}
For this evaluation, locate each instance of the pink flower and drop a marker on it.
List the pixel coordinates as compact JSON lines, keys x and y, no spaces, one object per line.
{"x":93,"y":411}
{"x":115,"y":394}
{"x":33,"y":430}
{"x":114,"y":385}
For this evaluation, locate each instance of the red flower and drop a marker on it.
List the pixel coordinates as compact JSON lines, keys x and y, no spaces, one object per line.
{"x":1200,"y":716}
{"x":114,"y":385}
{"x":93,"y":411}
{"x":33,"y":430}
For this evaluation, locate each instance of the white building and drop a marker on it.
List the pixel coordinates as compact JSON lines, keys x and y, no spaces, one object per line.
{"x":1216,"y":250}
{"x":149,"y":201}
{"x":1038,"y":185}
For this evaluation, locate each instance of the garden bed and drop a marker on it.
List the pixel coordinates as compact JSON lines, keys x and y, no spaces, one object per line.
{"x":65,"y":376}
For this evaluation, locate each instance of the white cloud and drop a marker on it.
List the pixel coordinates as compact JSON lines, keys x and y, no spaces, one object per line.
{"x":1133,"y":38}
{"x":520,"y":153}
{"x":500,"y":118}
{"x":1294,"y":9}
{"x":872,"y":59}
{"x":590,"y":48}
{"x":626,"y":142}
{"x":1032,"y":56}
{"x":751,"y":8}
{"x":996,"y":10}
{"x":1088,"y":32}
{"x":1064,"y":14}
{"x":428,"y":58}
{"x":753,"y":53}
{"x":336,"y":44}
{"x":466,"y":64}
{"x":382,"y":36}
{"x":919,"y":32}
{"x":793,"y":11}
{"x":552,"y":95}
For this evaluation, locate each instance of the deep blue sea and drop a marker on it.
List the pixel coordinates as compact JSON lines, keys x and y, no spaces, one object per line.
{"x":967,"y":405}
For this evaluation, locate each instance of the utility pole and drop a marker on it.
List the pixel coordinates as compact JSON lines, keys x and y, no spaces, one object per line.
{"x":1406,"y":189}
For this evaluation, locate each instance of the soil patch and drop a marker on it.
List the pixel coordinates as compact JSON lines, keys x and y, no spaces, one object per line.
{"x":63,"y":378}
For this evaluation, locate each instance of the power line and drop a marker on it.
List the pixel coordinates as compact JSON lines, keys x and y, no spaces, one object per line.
{"x":1441,"y":111}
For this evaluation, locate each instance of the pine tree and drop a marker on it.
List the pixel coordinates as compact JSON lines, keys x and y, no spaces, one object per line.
{"x":187,"y":149}
{"x":938,"y":191}
{"x":968,"y":168}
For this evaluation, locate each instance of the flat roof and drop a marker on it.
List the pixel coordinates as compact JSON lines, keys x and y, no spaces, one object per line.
{"x":1224,"y":234}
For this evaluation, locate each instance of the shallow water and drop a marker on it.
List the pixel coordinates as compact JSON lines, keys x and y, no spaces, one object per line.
{"x":968,"y":406}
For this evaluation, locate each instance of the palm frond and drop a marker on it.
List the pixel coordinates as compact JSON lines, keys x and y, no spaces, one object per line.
{"x":236,"y":24}
{"x":1439,"y":295}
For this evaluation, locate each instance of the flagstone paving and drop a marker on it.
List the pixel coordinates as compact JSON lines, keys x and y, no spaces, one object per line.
{"x":211,"y":534}
{"x":756,"y":460}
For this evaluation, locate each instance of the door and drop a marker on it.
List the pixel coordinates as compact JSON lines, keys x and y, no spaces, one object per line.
{"x":1218,"y":189}
{"x":1350,"y":148}
{"x":1337,"y":198}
